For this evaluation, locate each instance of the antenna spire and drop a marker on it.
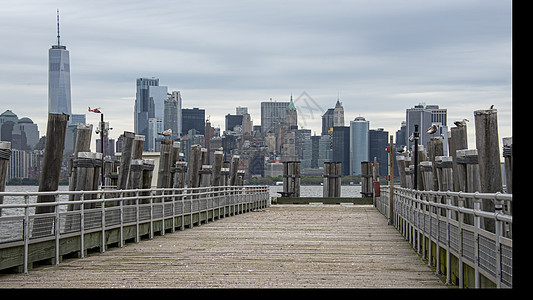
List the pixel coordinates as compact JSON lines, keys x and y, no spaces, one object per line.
{"x":58,"y":43}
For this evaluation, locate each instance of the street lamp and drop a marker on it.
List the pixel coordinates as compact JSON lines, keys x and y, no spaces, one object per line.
{"x":416,"y":136}
{"x":103,"y":129}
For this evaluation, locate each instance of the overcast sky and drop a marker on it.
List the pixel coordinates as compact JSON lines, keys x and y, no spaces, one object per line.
{"x":379,"y":57}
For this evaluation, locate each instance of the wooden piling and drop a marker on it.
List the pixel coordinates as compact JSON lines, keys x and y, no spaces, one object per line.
{"x":435,"y":148}
{"x":136,"y":174}
{"x":444,"y":168}
{"x":457,"y":141}
{"x":217,"y":167}
{"x":194,"y":166}
{"x":125,"y":160}
{"x":87,"y":166}
{"x":180,"y":174}
{"x":137,"y":147}
{"x":508,"y":163}
{"x":51,"y":166}
{"x":240,"y":177}
{"x":422,"y":156}
{"x":426,"y":175}
{"x":400,"y":160}
{"x":165,"y":159}
{"x":366,"y":179}
{"x":233,"y":169}
{"x":224,"y":174}
{"x":5,"y":155}
{"x":444,"y":173}
{"x":468,"y":169}
{"x":87,"y":172}
{"x":205,"y":175}
{"x":331,"y":182}
{"x":488,"y":148}
{"x":83,"y":144}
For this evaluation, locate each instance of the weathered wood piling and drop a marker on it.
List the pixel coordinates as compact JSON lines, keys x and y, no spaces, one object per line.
{"x":125,"y":160}
{"x":5,"y":155}
{"x":366,"y":179}
{"x":331,"y":186}
{"x":291,"y":178}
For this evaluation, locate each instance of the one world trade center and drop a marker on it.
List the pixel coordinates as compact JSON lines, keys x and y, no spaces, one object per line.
{"x":59,"y":78}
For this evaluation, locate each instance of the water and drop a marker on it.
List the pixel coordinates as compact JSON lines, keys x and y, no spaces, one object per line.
{"x":353,"y":191}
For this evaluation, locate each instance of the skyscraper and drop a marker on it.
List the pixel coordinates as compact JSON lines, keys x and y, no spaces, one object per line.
{"x":378,"y":140}
{"x":149,"y":103}
{"x":173,"y":117}
{"x":358,"y":144}
{"x":59,"y":98}
{"x":272,"y":113}
{"x":423,"y":115}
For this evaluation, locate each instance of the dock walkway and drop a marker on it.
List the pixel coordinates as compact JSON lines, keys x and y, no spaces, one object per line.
{"x":281,"y":246}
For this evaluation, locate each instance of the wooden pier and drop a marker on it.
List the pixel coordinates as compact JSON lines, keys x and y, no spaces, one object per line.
{"x":280,"y":246}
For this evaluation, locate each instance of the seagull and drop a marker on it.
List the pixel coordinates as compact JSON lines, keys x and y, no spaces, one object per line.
{"x":432,"y":129}
{"x":460,"y":123}
{"x":167,"y":132}
{"x":403,"y":150}
{"x":492,"y":106}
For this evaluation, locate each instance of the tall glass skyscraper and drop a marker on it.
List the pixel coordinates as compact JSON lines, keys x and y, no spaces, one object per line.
{"x":358,"y":144}
{"x":59,"y":98}
{"x":149,"y":103}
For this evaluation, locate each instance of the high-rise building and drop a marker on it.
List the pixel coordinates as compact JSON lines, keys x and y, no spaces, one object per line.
{"x":232,"y":121}
{"x":193,"y":118}
{"x":333,"y":117}
{"x":172,"y":119}
{"x":338,"y":114}
{"x":149,"y":103}
{"x":424,"y":116}
{"x":155,"y":125}
{"x":378,"y":140}
{"x":341,"y":147}
{"x":239,"y":110}
{"x":59,"y":97}
{"x":272,"y":113}
{"x":358,"y":144}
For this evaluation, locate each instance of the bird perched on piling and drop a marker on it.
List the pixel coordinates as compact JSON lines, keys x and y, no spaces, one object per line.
{"x":432,"y":129}
{"x":167,"y":132}
{"x":460,"y":123}
{"x":403,"y":150}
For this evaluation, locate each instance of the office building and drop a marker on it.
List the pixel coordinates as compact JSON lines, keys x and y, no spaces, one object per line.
{"x":332,"y":117}
{"x":341,"y":147}
{"x":358,"y":144}
{"x":424,"y":116}
{"x":272,"y":113}
{"x":232,"y":121}
{"x":173,"y":118}
{"x":378,"y":140}
{"x":59,"y":96}
{"x":149,"y":103}
{"x":239,"y":110}
{"x":193,"y":118}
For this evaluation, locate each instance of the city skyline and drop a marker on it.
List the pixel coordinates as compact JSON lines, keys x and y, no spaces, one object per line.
{"x":456,"y":55}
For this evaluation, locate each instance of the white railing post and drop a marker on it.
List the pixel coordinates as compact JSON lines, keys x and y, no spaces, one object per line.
{"x":82,"y":225}
{"x":26,"y":233}
{"x":477,"y":224}
{"x":102,"y":208}
{"x":57,"y":232}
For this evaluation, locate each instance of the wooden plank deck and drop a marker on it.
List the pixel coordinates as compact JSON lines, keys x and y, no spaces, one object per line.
{"x":282,"y":246}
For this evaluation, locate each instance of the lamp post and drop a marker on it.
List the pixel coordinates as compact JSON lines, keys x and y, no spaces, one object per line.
{"x":103,"y":130}
{"x":416,"y":136}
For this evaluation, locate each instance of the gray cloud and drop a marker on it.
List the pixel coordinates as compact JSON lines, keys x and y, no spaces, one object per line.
{"x":381,"y":56}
